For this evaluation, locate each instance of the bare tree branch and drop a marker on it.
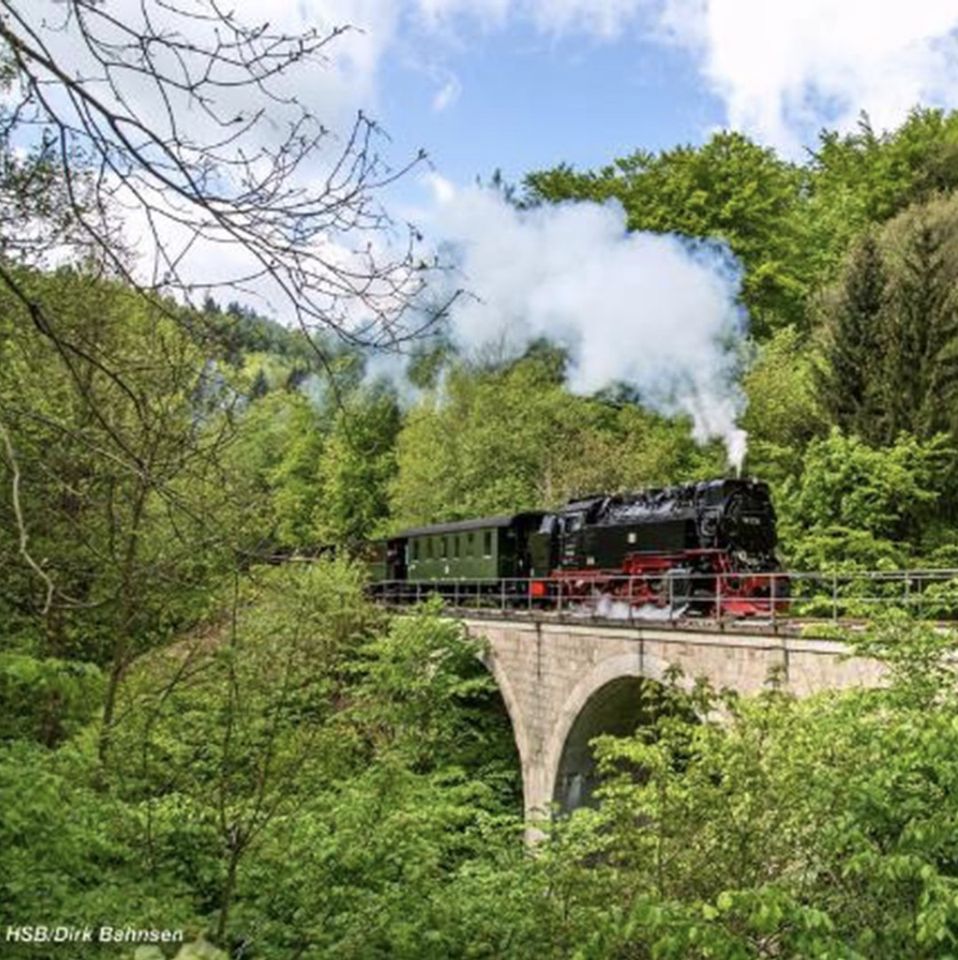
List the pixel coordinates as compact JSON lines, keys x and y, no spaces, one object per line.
{"x":182,"y":119}
{"x":22,"y":534}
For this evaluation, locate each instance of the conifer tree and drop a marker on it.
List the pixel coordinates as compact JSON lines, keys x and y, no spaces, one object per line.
{"x":922,"y":335}
{"x":848,"y":385}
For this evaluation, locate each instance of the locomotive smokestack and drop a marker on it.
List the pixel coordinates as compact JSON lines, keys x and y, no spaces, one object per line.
{"x":656,"y":311}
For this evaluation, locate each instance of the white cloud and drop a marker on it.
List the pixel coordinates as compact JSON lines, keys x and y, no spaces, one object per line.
{"x":601,"y":18}
{"x":785,"y":69}
{"x":489,"y":12}
{"x":447,"y":94}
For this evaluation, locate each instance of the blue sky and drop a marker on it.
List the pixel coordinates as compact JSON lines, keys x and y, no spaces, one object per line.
{"x":528,"y":102}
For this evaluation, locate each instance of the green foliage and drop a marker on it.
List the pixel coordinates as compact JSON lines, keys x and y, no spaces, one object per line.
{"x":258,"y":757}
{"x":813,"y":828}
{"x":71,"y":850}
{"x":922,"y":345}
{"x":499,"y":440}
{"x":790,"y":225}
{"x":46,"y":700}
{"x":784,"y":412}
{"x":108,"y":444}
{"x":198,"y":950}
{"x":885,"y":173}
{"x":302,"y":723}
{"x":357,"y":468}
{"x":276,"y":460}
{"x":891,"y":329}
{"x":424,"y":684}
{"x":317,"y":476}
{"x":854,"y":505}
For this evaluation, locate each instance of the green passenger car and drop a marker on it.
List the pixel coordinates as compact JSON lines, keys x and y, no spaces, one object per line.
{"x":492,"y":548}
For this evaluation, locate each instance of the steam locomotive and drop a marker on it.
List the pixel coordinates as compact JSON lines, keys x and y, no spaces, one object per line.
{"x":705,"y":547}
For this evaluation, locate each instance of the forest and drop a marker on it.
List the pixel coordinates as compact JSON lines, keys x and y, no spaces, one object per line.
{"x":208,"y":728}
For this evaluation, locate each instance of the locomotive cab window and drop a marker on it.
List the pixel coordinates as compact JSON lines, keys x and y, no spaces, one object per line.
{"x":487,"y":543}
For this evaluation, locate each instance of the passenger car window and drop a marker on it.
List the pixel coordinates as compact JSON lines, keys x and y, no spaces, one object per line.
{"x":487,"y":544}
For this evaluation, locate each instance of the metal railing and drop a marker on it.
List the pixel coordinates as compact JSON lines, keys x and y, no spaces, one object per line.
{"x":778,"y":600}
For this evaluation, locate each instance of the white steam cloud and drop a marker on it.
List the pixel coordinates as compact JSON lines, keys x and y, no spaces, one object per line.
{"x":654,"y":311}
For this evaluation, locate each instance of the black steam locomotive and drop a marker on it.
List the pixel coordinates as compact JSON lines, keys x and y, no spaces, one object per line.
{"x":704,"y":547}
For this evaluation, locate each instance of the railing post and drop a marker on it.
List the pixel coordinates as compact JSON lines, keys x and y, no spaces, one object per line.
{"x":455,"y":595}
{"x":502,"y":595}
{"x":671,"y":599}
{"x":771,"y":594}
{"x":559,"y":602}
{"x":418,"y":592}
{"x":718,"y":598}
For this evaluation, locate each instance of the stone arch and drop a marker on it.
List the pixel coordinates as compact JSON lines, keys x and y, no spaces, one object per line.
{"x":594,"y":700}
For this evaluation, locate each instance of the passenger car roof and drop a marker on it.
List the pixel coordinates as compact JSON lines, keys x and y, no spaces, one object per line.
{"x":459,"y":526}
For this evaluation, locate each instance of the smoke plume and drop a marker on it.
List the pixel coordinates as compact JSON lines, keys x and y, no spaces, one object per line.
{"x":655,"y":311}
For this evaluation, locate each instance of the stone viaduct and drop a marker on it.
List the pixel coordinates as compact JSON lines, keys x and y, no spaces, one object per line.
{"x":564,"y":684}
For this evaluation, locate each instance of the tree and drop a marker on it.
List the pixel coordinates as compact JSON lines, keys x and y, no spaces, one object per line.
{"x":850,"y":382}
{"x":784,"y":412}
{"x":303,"y":727}
{"x":173,"y":125}
{"x":357,"y":468}
{"x":116,"y":513}
{"x":858,"y":181}
{"x":883,"y":173}
{"x":512,"y":437}
{"x":923,"y":337}
{"x":890,"y":329}
{"x":858,"y":505}
{"x":179,"y":122}
{"x":221,"y":734}
{"x":794,"y":828}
